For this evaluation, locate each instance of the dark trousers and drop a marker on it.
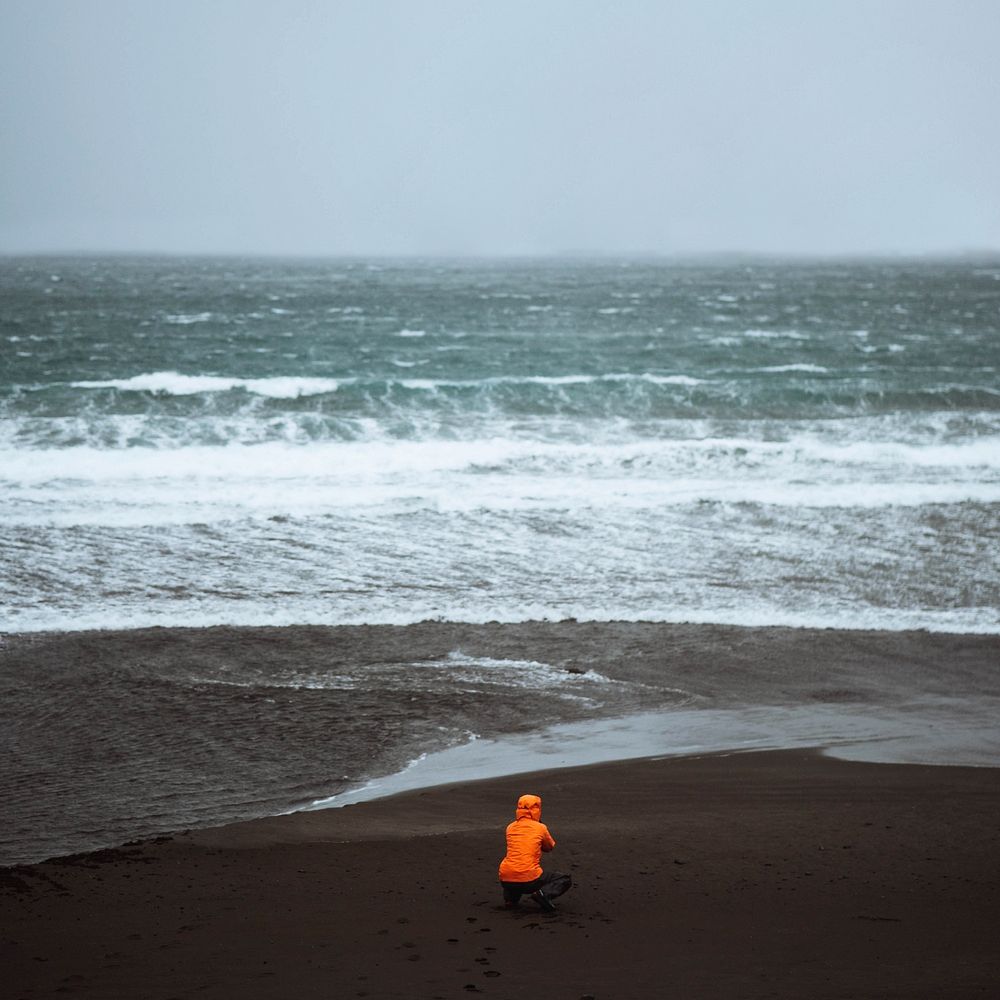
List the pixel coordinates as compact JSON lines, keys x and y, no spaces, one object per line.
{"x":551,"y":883}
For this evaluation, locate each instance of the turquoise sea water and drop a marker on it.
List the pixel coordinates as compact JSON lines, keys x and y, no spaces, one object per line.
{"x":263,"y":442}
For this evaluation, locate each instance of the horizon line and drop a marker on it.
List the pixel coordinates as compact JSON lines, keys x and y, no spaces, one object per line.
{"x":567,"y":254}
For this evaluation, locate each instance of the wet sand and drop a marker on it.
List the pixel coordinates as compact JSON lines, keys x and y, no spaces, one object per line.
{"x":115,"y":736}
{"x":781,"y":874}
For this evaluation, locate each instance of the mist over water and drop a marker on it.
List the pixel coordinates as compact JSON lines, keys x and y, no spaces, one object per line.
{"x":265,"y":442}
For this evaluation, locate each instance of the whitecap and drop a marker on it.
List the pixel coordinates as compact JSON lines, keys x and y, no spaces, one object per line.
{"x":775,"y":335}
{"x":800,"y":367}
{"x":186,"y":319}
{"x":176,"y":384}
{"x":552,"y":380}
{"x":672,"y":379}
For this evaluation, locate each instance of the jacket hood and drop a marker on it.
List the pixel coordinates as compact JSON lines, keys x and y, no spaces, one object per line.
{"x":529,"y":807}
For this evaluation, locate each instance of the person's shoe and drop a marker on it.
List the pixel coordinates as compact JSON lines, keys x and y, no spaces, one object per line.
{"x":511,"y":904}
{"x":543,"y":901}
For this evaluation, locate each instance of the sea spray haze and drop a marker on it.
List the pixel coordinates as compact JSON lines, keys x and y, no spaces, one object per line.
{"x":266,"y":442}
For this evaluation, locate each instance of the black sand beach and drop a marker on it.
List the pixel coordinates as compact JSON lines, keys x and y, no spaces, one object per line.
{"x":754,"y":875}
{"x":777,"y":874}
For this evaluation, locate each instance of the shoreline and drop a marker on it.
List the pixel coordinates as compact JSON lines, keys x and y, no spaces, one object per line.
{"x":912,"y":624}
{"x":780,"y":874}
{"x":885,"y":738}
{"x":899,"y":696}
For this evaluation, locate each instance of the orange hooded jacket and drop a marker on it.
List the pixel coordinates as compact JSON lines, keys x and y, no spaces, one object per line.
{"x":527,"y":837}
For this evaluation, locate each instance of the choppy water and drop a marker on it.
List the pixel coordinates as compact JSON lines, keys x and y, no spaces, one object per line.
{"x":266,"y":442}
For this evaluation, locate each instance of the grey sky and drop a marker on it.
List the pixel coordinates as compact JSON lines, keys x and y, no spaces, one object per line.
{"x":315,"y":126}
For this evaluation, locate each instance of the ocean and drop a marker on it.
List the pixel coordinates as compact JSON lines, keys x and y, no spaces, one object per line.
{"x":351,"y":442}
{"x":227,"y":442}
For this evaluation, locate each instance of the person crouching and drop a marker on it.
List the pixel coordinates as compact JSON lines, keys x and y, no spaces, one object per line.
{"x":521,"y":869}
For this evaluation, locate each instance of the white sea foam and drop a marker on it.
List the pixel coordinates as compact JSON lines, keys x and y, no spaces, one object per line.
{"x":754,"y":334}
{"x":964,"y":621}
{"x":552,"y":380}
{"x":982,"y":453}
{"x":454,"y":672}
{"x":289,"y":387}
{"x":207,"y":502}
{"x":186,"y":319}
{"x":512,"y":673}
{"x":663,"y":379}
{"x":648,"y":457}
{"x":716,"y":530}
{"x":799,"y":367}
{"x":86,"y":485}
{"x":175,"y":384}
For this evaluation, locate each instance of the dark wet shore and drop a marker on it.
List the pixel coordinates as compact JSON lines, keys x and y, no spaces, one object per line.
{"x":781,"y":874}
{"x":112,"y":736}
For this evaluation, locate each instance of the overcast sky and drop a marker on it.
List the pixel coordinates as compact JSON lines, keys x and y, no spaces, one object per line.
{"x":439,"y":127}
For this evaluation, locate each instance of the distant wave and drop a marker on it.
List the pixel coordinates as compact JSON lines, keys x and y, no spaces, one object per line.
{"x":775,"y":335}
{"x":44,"y":448}
{"x":551,"y":380}
{"x":290,"y":387}
{"x":171,"y":383}
{"x":186,"y":319}
{"x":818,"y":369}
{"x":969,"y":621}
{"x":175,"y":384}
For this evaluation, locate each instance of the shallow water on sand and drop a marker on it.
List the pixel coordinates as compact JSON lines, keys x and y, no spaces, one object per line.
{"x":112,"y":736}
{"x":964,"y":734}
